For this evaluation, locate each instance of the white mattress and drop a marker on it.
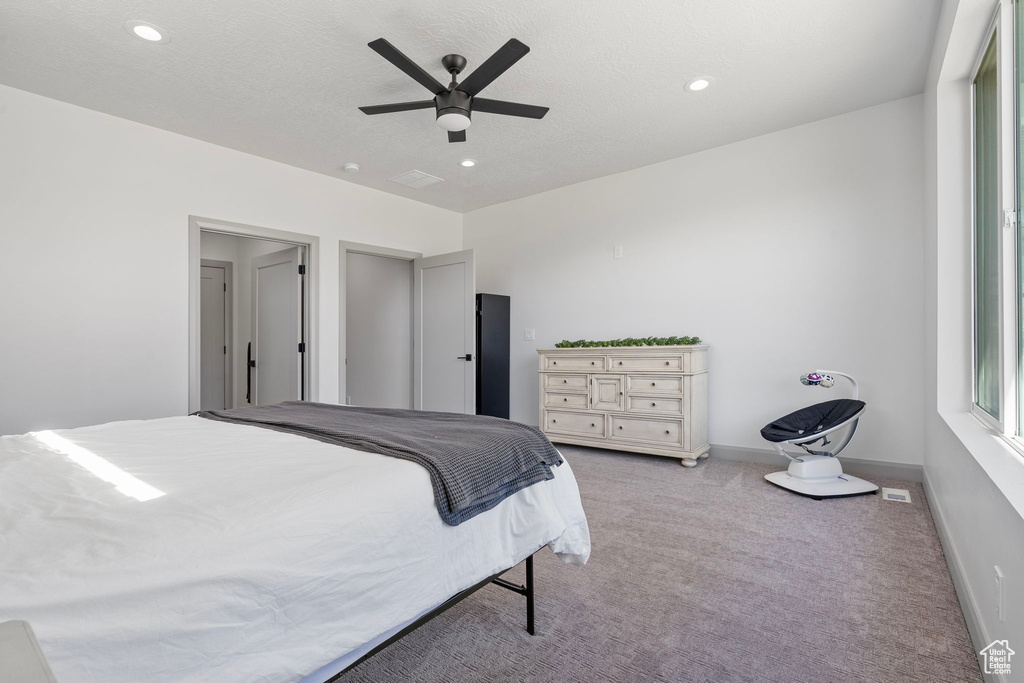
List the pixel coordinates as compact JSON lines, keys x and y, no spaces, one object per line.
{"x":266,"y":557}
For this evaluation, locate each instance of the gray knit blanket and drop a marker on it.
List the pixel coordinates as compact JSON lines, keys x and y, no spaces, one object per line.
{"x":474,"y":461}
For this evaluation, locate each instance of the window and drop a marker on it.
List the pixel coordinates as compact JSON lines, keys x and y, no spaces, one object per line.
{"x":987,"y":379}
{"x":997,"y":279}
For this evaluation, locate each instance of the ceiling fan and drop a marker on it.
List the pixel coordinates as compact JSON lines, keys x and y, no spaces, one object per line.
{"x":456,"y":102}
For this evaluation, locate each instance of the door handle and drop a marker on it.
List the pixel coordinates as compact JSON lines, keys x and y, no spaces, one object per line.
{"x":249,"y":365}
{"x":468,"y":356}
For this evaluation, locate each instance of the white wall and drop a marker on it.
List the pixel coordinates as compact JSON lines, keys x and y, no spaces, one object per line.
{"x":787,"y":252}
{"x":94,"y":266}
{"x":975,"y":483}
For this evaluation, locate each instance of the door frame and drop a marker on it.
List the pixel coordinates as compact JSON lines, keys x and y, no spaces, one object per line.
{"x":229,"y":325}
{"x":311,"y":291}
{"x":344,"y":248}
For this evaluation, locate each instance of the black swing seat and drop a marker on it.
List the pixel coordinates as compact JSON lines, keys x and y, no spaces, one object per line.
{"x":806,"y":422}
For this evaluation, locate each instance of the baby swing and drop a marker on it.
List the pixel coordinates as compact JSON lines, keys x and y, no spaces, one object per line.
{"x":818,"y":474}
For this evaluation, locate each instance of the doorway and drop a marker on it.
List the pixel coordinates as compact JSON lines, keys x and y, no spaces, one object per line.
{"x":376,"y":325}
{"x":407,"y":329}
{"x":267,"y":284}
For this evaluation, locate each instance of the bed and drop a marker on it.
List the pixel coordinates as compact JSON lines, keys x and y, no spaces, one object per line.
{"x":186,"y":549}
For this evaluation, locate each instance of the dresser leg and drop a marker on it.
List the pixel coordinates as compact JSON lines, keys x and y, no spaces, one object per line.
{"x":688,"y":462}
{"x":704,"y":455}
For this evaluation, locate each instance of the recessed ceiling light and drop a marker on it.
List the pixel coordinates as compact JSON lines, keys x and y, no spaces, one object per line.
{"x":697,"y":84}
{"x":351,"y":168}
{"x":467,"y":163}
{"x":146,"y":31}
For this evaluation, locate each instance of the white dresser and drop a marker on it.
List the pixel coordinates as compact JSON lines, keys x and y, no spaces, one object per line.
{"x":640,"y":399}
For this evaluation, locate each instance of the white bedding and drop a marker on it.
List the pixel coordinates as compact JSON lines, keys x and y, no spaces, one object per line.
{"x":267,"y":556}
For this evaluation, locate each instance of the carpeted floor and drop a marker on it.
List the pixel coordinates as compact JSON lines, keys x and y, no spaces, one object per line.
{"x":711,"y":574}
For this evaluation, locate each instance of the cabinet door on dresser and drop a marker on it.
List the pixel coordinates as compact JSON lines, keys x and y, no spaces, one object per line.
{"x":606,"y":392}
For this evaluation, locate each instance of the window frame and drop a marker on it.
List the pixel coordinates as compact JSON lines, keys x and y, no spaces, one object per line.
{"x":1002,"y":29}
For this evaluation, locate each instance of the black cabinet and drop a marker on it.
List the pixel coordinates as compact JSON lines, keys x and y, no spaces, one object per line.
{"x":492,"y":354}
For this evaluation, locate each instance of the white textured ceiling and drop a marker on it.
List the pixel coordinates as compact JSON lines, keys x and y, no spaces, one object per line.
{"x":282,"y":79}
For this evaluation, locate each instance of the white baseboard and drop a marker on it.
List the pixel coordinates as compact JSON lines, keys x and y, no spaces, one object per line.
{"x":857,"y":466}
{"x":968,"y":605}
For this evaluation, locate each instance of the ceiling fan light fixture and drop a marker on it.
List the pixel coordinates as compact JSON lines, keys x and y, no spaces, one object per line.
{"x":467,"y":163}
{"x":453,"y":120}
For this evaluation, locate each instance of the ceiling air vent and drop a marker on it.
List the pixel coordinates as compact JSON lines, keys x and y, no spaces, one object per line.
{"x":415,"y":179}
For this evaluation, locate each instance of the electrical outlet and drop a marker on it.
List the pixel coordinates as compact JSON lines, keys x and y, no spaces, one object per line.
{"x":529,"y":335}
{"x":617,"y":252}
{"x":999,"y":593}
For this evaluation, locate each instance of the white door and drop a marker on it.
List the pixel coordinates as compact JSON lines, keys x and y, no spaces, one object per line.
{"x":213,"y":343}
{"x":378,"y":331}
{"x":444,"y":333}
{"x":276,"y":371}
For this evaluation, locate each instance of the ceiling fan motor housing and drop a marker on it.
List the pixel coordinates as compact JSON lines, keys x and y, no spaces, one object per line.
{"x":453,"y":102}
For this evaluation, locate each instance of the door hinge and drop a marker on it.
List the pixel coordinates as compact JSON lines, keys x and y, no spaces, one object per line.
{"x":302,"y":347}
{"x":225,"y":349}
{"x":225,"y":286}
{"x":302,"y":269}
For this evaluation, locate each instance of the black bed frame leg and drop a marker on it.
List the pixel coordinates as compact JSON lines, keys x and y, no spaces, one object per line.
{"x":529,"y":596}
{"x":526,"y":590}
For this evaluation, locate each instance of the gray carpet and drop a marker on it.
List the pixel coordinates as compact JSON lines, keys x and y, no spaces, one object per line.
{"x":711,"y":574}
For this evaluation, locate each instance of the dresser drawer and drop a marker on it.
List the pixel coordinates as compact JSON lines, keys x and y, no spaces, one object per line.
{"x":647,"y":430}
{"x":654,"y":404}
{"x":646,"y":363}
{"x":566,"y":382}
{"x":655,"y":384}
{"x":570,"y":363}
{"x":556,"y":399}
{"x":580,"y":424}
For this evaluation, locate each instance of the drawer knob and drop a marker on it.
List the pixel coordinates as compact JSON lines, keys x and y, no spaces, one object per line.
{"x":653,"y":384}
{"x":620,"y":426}
{"x":667,"y":432}
{"x":565,"y":399}
{"x":554,"y":362}
{"x":620,"y":362}
{"x":667,"y":363}
{"x":653,"y":404}
{"x":592,"y":424}
{"x":565,"y":381}
{"x":554,"y":421}
{"x":593,"y":362}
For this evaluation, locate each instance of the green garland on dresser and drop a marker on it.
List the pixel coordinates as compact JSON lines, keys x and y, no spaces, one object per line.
{"x":629,"y":341}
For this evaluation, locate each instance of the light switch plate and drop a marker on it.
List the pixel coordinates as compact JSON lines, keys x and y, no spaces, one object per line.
{"x":529,"y":335}
{"x":617,"y":252}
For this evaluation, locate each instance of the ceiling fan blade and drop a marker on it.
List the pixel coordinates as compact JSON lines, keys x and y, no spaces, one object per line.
{"x":507,"y":55}
{"x":392,"y":54}
{"x":508,"y":108}
{"x":456,"y":136}
{"x":398,"y":106}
